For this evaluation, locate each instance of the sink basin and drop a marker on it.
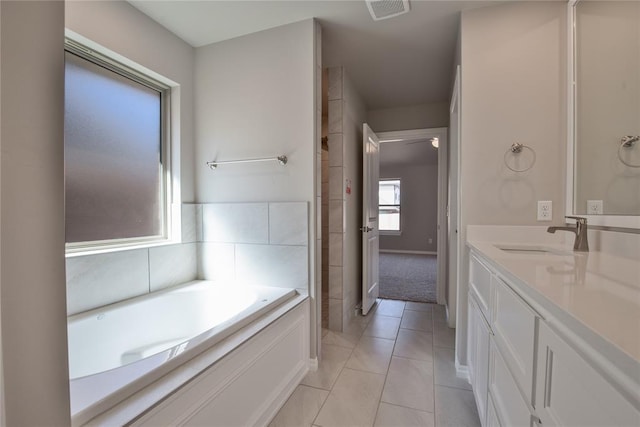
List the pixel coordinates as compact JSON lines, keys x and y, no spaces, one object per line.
{"x":532,"y":250}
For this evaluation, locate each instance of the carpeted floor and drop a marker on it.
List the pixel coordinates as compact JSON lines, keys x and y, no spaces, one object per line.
{"x":408,"y":277}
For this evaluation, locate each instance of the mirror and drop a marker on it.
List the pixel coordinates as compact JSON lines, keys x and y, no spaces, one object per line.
{"x":605,"y":112}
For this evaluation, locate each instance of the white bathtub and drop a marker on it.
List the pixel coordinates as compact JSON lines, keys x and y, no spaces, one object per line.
{"x":116,"y":349}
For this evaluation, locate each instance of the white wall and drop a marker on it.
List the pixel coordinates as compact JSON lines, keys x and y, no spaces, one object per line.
{"x":34,"y":333}
{"x":513,"y":90}
{"x":421,"y":116}
{"x":255,"y":98}
{"x":419,"y":207}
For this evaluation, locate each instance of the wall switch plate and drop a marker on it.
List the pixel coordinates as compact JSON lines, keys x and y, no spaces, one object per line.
{"x":545,"y":211}
{"x":595,"y":207}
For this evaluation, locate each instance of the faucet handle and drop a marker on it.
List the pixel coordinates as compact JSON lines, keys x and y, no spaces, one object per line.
{"x":579,"y":219}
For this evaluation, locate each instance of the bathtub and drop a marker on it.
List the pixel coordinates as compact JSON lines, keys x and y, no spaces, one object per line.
{"x":115,"y":351}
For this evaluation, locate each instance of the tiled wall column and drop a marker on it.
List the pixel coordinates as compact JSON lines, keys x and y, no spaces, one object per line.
{"x":336,"y":199}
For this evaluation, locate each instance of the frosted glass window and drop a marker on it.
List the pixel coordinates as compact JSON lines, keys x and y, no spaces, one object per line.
{"x":389,"y":205}
{"x":113,"y":155}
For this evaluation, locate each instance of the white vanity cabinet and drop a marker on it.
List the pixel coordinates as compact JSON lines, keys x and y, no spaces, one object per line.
{"x":523,"y":373}
{"x":570,"y":392}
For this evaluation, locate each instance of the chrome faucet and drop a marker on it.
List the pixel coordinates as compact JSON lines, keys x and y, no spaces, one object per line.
{"x":581,"y":243}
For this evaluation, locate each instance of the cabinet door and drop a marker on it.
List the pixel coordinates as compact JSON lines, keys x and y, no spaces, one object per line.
{"x":510,"y":406}
{"x":480,"y":283}
{"x":514,"y":326}
{"x":472,"y":319}
{"x":478,"y":356}
{"x":569,"y":392}
{"x":481,"y":382}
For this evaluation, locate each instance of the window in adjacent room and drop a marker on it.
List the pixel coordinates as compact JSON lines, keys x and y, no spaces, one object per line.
{"x":116,"y":149}
{"x":389,"y":205}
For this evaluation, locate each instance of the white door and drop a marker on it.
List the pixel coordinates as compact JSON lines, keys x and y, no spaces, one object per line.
{"x":370,"y":231}
{"x":454,"y":200}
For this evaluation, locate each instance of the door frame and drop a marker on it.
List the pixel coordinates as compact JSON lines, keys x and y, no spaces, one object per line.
{"x":442,"y":134}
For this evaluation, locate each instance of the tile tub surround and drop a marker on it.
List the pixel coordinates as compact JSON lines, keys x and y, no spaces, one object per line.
{"x":101,"y":279}
{"x":247,"y":243}
{"x":255,"y":243}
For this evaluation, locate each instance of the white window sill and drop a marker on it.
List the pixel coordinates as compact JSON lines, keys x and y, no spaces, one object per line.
{"x":105,"y":249}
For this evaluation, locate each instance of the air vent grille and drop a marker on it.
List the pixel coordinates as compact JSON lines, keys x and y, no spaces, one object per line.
{"x":383,"y":9}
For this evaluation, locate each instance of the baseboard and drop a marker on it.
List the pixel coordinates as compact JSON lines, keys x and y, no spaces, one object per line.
{"x":462,"y":371}
{"x":313,"y":364}
{"x":394,"y":251}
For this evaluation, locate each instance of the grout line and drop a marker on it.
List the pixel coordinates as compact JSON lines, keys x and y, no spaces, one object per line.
{"x":453,"y":388}
{"x":409,"y":407}
{"x":450,"y":386}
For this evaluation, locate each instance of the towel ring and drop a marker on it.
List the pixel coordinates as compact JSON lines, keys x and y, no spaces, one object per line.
{"x":515,"y":149}
{"x":627,"y":142}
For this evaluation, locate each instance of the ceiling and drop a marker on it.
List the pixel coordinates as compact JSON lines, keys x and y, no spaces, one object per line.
{"x":411,"y":152}
{"x":402,"y":61}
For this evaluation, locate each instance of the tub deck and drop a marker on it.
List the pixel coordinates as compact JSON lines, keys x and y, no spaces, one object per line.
{"x":117,"y":350}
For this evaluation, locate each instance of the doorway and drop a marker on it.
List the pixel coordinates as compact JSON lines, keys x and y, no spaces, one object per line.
{"x":412,"y":215}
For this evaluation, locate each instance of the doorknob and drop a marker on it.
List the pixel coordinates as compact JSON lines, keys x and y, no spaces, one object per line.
{"x":365,"y":229}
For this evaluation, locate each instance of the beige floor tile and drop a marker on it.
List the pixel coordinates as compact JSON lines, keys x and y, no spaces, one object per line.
{"x":383,"y":327}
{"x":419,"y":306}
{"x":414,"y":345}
{"x":301,"y":408}
{"x":372,"y":355}
{"x":410,"y":384}
{"x":443,"y":335}
{"x":417,"y":320}
{"x":363,"y":320}
{"x":353,"y":400}
{"x":341,"y":339}
{"x":397,"y":416}
{"x":389,"y":307}
{"x":333,"y":360}
{"x":445,"y":369}
{"x":455,"y":408}
{"x":439,"y":313}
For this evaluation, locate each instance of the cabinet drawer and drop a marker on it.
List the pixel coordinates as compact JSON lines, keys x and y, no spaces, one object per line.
{"x":510,"y":406}
{"x":480,"y":284}
{"x":514,"y":327}
{"x":569,"y":392}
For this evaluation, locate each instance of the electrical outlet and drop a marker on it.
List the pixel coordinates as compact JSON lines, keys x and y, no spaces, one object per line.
{"x":595,"y":207}
{"x":545,"y":211}
{"x":430,"y":241}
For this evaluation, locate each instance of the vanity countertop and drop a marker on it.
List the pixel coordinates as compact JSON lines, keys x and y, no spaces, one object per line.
{"x":595,"y":294}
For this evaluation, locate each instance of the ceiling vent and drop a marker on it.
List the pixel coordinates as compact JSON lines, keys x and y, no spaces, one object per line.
{"x":383,"y":9}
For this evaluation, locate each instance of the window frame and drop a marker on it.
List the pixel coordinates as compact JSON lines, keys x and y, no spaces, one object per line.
{"x":399,"y":206}
{"x":169,"y":230}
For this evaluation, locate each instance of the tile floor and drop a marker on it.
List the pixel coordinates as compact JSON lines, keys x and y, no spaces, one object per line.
{"x":394,"y":367}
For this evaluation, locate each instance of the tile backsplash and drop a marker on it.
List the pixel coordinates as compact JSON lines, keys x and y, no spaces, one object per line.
{"x":245,"y":243}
